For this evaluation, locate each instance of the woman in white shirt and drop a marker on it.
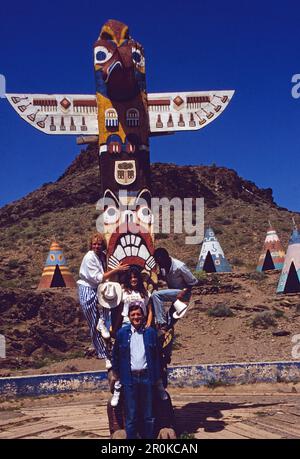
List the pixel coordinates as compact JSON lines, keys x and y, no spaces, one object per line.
{"x":91,"y":274}
{"x":135,"y":291}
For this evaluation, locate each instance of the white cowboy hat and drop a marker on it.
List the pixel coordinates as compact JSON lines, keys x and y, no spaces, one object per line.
{"x":181,"y":309}
{"x":109,"y":294}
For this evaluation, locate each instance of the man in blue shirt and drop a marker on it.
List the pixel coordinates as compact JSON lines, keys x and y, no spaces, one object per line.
{"x":180,"y":281}
{"x":136,"y":363}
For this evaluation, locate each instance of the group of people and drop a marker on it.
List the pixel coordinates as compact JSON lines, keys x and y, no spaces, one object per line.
{"x":128,"y":313}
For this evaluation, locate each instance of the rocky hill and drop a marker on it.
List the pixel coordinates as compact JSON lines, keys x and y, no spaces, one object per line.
{"x":80,"y":185}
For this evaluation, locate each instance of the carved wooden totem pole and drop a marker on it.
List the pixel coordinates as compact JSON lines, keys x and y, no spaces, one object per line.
{"x":124,"y":146}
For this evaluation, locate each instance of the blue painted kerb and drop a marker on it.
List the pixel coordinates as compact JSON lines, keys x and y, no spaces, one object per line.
{"x":186,"y":375}
{"x":53,"y":383}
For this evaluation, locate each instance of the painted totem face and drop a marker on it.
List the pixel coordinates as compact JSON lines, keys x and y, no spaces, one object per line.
{"x":128,"y":230}
{"x":119,"y":63}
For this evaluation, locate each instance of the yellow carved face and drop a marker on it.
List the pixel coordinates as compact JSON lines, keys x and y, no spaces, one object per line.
{"x":128,"y":230}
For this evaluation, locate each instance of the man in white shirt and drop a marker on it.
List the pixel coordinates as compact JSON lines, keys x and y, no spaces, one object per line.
{"x":136,"y":363}
{"x":179,"y":279}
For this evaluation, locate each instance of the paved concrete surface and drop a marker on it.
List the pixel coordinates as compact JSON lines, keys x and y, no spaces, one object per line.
{"x":241,"y":412}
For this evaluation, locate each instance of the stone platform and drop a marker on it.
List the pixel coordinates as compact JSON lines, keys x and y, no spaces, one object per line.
{"x":235,"y":412}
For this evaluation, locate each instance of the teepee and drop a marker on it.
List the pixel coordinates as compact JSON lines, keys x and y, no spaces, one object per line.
{"x":56,"y":273}
{"x":272,"y":255}
{"x":289,"y":281}
{"x":212,"y":258}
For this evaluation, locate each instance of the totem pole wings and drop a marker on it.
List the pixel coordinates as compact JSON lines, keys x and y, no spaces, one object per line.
{"x":122,"y":117}
{"x":75,"y":114}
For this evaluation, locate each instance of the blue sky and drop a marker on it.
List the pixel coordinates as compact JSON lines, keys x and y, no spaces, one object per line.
{"x":250,"y":46}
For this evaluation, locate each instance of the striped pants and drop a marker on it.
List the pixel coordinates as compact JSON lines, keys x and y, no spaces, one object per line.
{"x":88,"y":301}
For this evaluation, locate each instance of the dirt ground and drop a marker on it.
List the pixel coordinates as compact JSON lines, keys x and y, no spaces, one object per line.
{"x":269,"y":411}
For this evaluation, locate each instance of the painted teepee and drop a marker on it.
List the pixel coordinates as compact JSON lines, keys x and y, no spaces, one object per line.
{"x":212,"y":258}
{"x":272,"y":254}
{"x":56,"y":273}
{"x":289,"y":281}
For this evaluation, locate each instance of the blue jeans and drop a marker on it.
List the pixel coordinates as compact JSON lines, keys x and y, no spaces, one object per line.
{"x":138,"y":407}
{"x":158,"y":298}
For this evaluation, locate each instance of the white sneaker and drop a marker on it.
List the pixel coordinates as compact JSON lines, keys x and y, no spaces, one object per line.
{"x":108,"y":364}
{"x":115,"y":398}
{"x":102,"y":329}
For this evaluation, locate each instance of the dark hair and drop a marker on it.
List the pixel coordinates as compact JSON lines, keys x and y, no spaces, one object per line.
{"x":161,"y":252}
{"x":140,"y":285}
{"x":133,"y":306}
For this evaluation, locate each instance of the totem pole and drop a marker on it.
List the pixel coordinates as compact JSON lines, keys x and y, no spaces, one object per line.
{"x":123,"y":125}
